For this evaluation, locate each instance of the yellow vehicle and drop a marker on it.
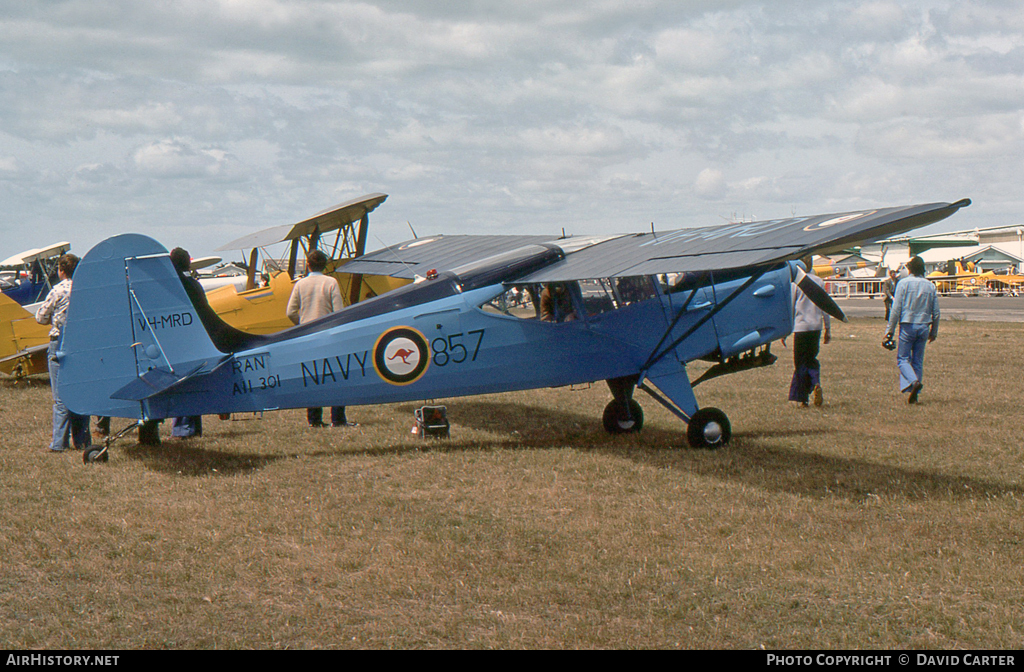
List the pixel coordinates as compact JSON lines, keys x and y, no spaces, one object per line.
{"x":260,"y":307}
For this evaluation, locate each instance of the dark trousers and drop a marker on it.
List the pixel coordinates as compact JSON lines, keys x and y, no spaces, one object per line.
{"x":315,"y":416}
{"x":806,"y":367}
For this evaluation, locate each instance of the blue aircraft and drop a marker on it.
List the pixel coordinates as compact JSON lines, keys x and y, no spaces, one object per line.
{"x":484,"y":314}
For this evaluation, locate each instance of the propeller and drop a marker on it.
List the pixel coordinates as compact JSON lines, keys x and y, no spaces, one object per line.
{"x":818,"y":296}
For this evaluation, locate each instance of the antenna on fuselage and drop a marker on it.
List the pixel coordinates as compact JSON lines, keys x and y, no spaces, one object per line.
{"x":411,"y":229}
{"x":415,"y":277}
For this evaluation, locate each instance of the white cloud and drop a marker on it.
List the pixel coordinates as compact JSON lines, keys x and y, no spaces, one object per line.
{"x":710,"y":184}
{"x":175,"y":159}
{"x":239,"y":114}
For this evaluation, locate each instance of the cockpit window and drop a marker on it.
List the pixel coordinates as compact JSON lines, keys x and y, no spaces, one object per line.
{"x":568,"y":301}
{"x":518,"y":301}
{"x":547,"y":302}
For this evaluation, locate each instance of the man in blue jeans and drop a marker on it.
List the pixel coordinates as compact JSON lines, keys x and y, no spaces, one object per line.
{"x":915,"y":308}
{"x":54,"y":312}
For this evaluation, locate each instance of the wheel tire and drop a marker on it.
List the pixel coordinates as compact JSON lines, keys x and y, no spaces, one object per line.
{"x":95,"y":454}
{"x":617,"y":420}
{"x":709,"y":428}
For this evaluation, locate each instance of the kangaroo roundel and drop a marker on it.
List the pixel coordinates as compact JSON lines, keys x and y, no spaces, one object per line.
{"x":401,"y":355}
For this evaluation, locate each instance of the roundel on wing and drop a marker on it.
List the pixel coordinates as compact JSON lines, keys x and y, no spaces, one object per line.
{"x":841,"y":219}
{"x":401,"y":356}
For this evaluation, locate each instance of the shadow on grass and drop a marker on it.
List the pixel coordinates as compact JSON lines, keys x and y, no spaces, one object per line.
{"x":754,"y":460}
{"x":191,"y":458}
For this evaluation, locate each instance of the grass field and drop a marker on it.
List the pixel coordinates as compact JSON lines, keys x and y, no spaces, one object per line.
{"x":866,"y":523}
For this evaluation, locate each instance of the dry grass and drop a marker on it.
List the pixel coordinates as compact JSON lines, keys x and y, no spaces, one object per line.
{"x":864,"y":524}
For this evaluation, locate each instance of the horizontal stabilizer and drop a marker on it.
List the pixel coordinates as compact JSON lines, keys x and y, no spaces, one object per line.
{"x":156,"y":381}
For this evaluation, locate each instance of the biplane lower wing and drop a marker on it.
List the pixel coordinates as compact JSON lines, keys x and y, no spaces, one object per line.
{"x":632,"y":310}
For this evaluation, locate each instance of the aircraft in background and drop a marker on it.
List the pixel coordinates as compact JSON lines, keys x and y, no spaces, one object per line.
{"x":155,"y":355}
{"x":31,"y":274}
{"x":825,"y":268}
{"x":971,"y":282}
{"x":259,"y":307}
{"x":23,"y":341}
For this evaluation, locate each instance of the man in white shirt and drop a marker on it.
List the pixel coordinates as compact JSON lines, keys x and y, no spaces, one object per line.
{"x":313,"y":297}
{"x":808,"y":321}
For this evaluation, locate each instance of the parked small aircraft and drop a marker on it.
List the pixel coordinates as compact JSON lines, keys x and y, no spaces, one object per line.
{"x":605,"y":309}
{"x":973,"y":282}
{"x":35,"y":272}
{"x":826,"y":268}
{"x":260,"y":307}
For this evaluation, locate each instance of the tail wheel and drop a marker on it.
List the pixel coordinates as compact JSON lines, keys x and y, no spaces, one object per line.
{"x":622,"y":419}
{"x":709,"y":428}
{"x":95,"y":454}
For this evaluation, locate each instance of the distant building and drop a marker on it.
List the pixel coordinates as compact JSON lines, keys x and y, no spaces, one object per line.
{"x":995,"y":248}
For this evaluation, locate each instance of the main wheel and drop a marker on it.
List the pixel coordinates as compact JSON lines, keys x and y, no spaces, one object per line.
{"x":95,"y":454}
{"x":709,"y":428}
{"x":620,"y":419}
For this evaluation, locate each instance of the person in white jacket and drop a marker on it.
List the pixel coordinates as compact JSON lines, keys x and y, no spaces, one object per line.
{"x":313,"y":297}
{"x":808,"y":323}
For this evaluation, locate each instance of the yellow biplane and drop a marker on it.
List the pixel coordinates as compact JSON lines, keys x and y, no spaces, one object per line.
{"x":23,"y":341}
{"x":259,"y":308}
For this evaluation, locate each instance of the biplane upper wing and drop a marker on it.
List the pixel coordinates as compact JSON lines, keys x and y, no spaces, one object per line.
{"x":683,"y":250}
{"x":330,"y":219}
{"x":28,"y":256}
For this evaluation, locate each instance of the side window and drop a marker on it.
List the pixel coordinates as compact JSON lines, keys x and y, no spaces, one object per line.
{"x":633,"y":289}
{"x":598,"y":296}
{"x":548,"y":302}
{"x":521,"y":301}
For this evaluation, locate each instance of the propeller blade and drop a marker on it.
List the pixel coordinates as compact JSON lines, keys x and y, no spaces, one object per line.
{"x":819,"y":296}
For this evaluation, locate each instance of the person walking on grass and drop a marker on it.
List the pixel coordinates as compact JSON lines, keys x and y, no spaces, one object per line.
{"x":809,"y":322}
{"x":915,"y":308}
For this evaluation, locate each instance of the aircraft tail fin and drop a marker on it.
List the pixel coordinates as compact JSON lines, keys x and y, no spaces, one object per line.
{"x":129,"y":322}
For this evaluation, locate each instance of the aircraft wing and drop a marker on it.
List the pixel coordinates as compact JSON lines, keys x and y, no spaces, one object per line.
{"x":683,"y":250}
{"x":28,"y":256}
{"x":330,"y":219}
{"x":443,"y":253}
{"x":26,"y":352}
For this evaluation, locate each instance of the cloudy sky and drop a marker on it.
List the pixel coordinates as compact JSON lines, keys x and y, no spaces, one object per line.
{"x":198,"y":121}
